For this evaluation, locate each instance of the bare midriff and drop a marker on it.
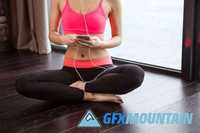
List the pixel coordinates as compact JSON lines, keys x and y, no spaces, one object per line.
{"x":82,"y":53}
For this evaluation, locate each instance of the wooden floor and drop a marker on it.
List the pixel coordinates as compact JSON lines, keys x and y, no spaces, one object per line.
{"x":158,"y":93}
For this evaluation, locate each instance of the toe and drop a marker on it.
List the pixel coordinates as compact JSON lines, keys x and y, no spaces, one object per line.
{"x":116,"y":99}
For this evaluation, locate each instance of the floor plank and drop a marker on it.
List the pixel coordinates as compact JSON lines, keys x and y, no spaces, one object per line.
{"x":189,"y":104}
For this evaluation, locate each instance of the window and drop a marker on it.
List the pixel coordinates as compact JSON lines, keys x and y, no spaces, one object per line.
{"x":152,"y":32}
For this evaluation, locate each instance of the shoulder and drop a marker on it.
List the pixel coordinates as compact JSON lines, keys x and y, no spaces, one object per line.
{"x":112,"y":6}
{"x":58,"y":4}
{"x":114,"y":3}
{"x":55,"y":2}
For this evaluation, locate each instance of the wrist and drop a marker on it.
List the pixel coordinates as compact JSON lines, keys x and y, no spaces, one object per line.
{"x":102,"y":45}
{"x":62,"y":40}
{"x":65,"y":40}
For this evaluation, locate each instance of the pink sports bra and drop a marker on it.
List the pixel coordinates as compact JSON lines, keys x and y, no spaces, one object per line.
{"x":74,"y":22}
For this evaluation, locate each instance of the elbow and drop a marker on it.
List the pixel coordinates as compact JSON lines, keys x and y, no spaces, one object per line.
{"x":119,"y":40}
{"x":116,"y":40}
{"x":118,"y":44}
{"x":50,"y":36}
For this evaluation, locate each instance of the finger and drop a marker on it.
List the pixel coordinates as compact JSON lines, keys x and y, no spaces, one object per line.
{"x":83,"y":44}
{"x":72,"y":41}
{"x":82,"y":40}
{"x":88,"y":42}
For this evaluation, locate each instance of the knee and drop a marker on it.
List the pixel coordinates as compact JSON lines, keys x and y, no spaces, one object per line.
{"x":133,"y":72}
{"x":137,"y":74}
{"x":134,"y":77}
{"x":20,"y":84}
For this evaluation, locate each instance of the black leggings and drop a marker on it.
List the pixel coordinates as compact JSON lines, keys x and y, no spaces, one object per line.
{"x":53,"y":85}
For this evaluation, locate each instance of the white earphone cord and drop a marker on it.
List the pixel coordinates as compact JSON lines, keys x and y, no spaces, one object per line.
{"x":89,"y":52}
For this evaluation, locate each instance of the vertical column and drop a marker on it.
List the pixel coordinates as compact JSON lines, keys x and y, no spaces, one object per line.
{"x":188,"y":40}
{"x":197,"y":42}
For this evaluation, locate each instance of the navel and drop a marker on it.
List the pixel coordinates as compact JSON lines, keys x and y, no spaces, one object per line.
{"x":82,"y":55}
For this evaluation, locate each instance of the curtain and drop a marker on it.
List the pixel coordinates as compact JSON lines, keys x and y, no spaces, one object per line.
{"x":29,"y":21}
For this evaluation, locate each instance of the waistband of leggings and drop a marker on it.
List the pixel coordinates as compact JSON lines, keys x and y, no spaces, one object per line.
{"x":68,"y":62}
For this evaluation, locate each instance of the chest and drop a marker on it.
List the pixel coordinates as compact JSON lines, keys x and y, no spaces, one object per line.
{"x":85,"y":7}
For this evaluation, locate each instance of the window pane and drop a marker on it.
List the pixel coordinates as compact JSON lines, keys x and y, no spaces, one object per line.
{"x":152,"y":32}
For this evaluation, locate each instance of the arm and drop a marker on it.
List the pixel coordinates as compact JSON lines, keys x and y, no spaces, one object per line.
{"x":115,"y":23}
{"x":54,"y":35}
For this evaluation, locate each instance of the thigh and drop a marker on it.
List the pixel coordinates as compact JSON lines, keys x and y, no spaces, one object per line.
{"x":59,"y":76}
{"x":106,"y":71}
{"x":117,"y":80}
{"x":126,"y":69}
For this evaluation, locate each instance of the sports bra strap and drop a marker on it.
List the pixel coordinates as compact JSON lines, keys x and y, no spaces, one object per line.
{"x":67,"y":2}
{"x":100,"y":3}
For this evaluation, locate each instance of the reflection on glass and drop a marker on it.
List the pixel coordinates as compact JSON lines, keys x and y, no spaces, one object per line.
{"x":152,"y":32}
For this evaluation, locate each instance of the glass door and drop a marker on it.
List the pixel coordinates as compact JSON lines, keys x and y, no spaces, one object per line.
{"x":152,"y":32}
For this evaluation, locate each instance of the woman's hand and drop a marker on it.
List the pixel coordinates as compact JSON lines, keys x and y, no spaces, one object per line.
{"x":70,"y":39}
{"x":94,"y":42}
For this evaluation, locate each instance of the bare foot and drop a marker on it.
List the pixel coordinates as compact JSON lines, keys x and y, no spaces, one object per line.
{"x":78,"y":84}
{"x":97,"y":97}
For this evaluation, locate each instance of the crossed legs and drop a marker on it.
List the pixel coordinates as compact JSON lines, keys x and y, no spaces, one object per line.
{"x":53,"y":85}
{"x":60,"y":85}
{"x":115,"y":80}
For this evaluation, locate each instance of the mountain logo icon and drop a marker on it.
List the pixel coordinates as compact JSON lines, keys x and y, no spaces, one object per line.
{"x":89,"y":120}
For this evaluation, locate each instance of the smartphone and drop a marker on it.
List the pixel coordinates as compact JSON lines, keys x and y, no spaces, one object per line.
{"x":84,"y":37}
{"x":84,"y":44}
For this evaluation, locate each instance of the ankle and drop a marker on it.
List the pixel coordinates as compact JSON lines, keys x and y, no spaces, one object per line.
{"x":89,"y":96}
{"x":83,"y":85}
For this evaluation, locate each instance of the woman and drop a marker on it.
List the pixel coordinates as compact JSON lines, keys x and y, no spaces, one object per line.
{"x":88,"y":72}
